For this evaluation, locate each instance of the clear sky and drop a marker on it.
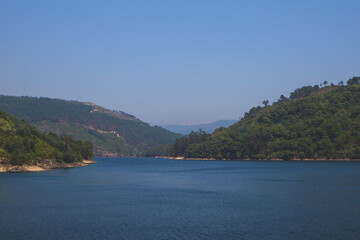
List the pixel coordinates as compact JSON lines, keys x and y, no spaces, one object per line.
{"x":181,"y":62}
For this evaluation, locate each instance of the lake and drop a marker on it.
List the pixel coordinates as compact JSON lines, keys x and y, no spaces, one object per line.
{"x":148,"y":198}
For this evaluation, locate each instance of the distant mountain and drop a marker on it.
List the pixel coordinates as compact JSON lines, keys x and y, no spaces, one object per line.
{"x":314,"y":123}
{"x":207,"y":127}
{"x":113,"y":133}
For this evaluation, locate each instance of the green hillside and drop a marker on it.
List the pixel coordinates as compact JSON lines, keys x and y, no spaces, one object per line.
{"x":21,"y":143}
{"x":113,"y":133}
{"x":314,"y":123}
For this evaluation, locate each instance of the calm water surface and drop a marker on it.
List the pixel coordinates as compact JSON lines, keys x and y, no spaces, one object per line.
{"x":145,"y":198}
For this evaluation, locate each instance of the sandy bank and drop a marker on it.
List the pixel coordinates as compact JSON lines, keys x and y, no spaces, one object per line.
{"x":47,"y":165}
{"x":89,"y":161}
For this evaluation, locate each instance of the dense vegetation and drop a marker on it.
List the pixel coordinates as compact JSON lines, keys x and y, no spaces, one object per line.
{"x":314,"y":123}
{"x":21,"y":143}
{"x":111,"y":132}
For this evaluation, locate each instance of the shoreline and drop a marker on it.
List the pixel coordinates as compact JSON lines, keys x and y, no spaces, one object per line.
{"x":263,"y":160}
{"x":48,"y":165}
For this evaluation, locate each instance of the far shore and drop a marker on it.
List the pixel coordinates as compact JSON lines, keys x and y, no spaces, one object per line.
{"x":272,"y":159}
{"x":48,"y":165}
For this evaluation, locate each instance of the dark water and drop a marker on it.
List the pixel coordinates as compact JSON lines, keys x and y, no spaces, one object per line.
{"x":133,"y":198}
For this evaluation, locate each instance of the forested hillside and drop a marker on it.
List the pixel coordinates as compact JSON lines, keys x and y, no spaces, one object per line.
{"x":313,"y":123}
{"x":21,"y":143}
{"x":111,"y":132}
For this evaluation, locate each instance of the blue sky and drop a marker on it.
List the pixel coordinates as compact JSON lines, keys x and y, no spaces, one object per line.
{"x":170,"y":62}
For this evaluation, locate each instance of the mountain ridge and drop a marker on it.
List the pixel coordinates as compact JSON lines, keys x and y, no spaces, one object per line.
{"x":113,"y":133}
{"x":207,"y":127}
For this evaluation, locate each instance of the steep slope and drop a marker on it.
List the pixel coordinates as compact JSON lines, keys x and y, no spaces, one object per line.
{"x":21,"y":143}
{"x":207,"y":127}
{"x":113,"y":133}
{"x":315,"y":123}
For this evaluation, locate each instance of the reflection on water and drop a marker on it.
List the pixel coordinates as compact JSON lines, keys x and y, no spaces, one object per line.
{"x":139,"y":198}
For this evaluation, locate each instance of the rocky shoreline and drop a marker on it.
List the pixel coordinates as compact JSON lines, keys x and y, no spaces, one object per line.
{"x":47,"y":165}
{"x":272,"y":159}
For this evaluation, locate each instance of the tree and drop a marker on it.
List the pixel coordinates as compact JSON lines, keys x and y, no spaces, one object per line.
{"x":341,"y":83}
{"x":282,"y":98}
{"x":266,"y":103}
{"x":325,"y":83}
{"x":353,"y":81}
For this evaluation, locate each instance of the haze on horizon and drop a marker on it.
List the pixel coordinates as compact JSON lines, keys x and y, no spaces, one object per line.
{"x":175,"y":62}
